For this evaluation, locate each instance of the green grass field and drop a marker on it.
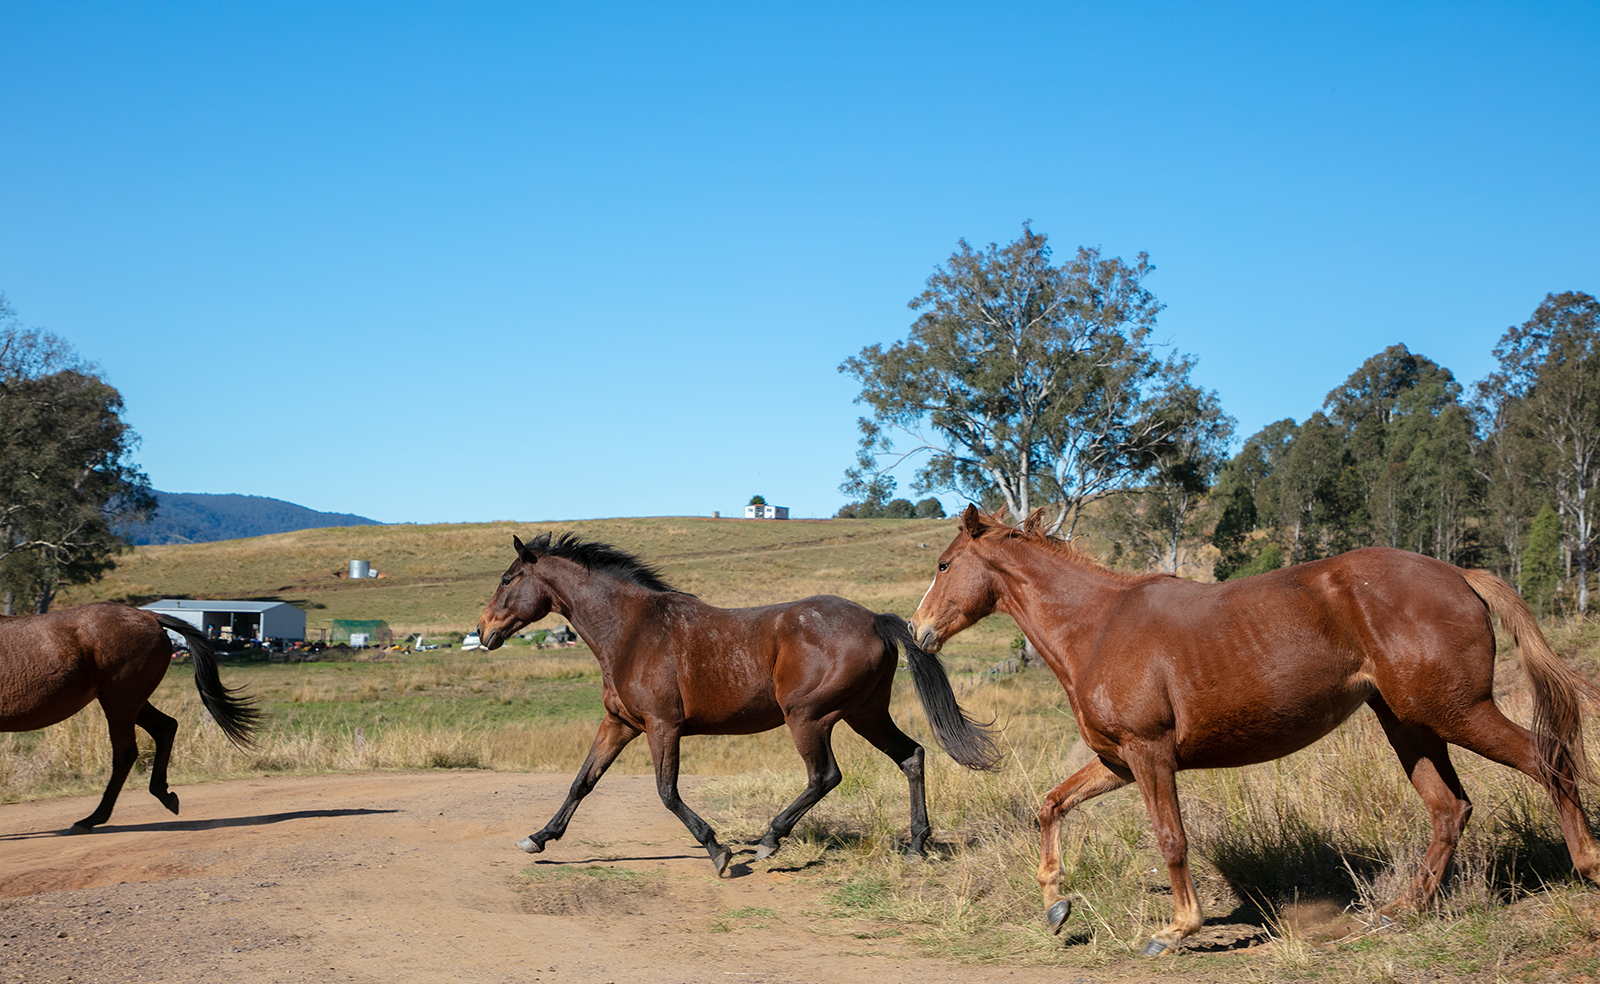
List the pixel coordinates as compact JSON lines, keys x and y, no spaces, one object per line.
{"x":1332,"y":827}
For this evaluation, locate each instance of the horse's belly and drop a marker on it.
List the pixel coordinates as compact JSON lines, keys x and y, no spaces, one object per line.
{"x":739,"y":721}
{"x":1263,"y":732}
{"x":730,"y":706}
{"x":30,"y":711}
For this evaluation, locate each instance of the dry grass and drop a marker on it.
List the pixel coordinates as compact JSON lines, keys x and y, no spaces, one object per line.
{"x":1333,"y":828}
{"x":1336,"y":825}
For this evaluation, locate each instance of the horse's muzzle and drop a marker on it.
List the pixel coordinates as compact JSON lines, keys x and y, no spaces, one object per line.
{"x":927,"y":638}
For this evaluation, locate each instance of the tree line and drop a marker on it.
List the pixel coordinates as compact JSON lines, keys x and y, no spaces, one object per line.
{"x":1025,"y":384}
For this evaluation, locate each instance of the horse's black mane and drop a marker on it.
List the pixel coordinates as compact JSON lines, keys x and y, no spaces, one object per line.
{"x":602,"y":557}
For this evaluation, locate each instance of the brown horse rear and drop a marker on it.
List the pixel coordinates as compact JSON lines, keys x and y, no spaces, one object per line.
{"x":52,"y":666}
{"x":1166,"y":675}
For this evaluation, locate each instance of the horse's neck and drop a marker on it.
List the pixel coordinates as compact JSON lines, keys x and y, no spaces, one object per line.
{"x":1058,"y":604}
{"x":596,"y":605}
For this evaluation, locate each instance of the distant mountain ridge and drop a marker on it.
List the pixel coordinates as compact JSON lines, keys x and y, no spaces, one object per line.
{"x":196,"y":517}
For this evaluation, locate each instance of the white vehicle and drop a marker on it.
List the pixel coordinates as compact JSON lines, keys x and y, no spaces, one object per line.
{"x":471,"y":642}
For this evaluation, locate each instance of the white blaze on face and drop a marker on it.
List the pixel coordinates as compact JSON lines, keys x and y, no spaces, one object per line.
{"x":928,"y":592}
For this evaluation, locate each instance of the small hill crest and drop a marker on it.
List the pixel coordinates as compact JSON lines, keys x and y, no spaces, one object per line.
{"x":197,"y":517}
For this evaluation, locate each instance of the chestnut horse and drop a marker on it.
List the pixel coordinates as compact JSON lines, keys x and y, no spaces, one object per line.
{"x":52,"y":665}
{"x":673,"y":666}
{"x":1166,"y":674}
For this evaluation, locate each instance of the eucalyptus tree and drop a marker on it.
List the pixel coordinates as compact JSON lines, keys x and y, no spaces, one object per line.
{"x":1408,"y":443}
{"x":1312,"y":492}
{"x":1246,"y":499}
{"x":1547,"y":390}
{"x":1024,"y":383}
{"x":66,"y":478}
{"x":1164,"y":512}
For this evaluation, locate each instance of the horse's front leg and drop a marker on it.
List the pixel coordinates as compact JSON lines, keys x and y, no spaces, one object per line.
{"x":1087,"y":783}
{"x":1158,"y":784}
{"x":609,"y":741}
{"x":664,"y":750}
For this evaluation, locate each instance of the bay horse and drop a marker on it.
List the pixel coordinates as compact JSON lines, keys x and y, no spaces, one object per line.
{"x":673,"y":665}
{"x":53,"y":665}
{"x":1165,"y":674}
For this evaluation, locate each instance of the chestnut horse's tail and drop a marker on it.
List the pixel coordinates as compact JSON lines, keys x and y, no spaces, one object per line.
{"x":1557,"y":723}
{"x":962,"y":738}
{"x":235,"y":715}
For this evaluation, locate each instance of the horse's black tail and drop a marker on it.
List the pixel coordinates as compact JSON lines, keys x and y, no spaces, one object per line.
{"x":235,"y":715}
{"x":962,"y":738}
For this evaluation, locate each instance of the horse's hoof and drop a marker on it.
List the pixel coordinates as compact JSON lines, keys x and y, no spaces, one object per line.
{"x":764,"y":851}
{"x":80,"y":828}
{"x":720,"y":860}
{"x":1057,"y":915}
{"x":530,"y":845}
{"x":1154,"y":948}
{"x":170,"y":801}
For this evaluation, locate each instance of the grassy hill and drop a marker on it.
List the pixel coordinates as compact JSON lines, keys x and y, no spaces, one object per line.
{"x":436,"y":579}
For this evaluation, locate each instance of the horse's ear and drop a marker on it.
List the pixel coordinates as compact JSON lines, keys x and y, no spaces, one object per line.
{"x":972,"y":521}
{"x":522,"y":551}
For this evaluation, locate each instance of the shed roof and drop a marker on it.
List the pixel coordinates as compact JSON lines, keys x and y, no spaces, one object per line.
{"x":191,"y":605}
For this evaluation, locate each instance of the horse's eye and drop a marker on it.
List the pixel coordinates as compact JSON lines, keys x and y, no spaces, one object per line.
{"x":505,"y":580}
{"x":943,"y":568}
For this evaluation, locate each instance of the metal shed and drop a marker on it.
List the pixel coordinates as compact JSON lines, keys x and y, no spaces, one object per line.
{"x":237,"y":619}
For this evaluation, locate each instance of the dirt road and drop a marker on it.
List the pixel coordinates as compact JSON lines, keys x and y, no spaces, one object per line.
{"x":413,"y":877}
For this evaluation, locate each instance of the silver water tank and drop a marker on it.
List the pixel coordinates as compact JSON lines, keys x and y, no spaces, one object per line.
{"x":358,"y":569}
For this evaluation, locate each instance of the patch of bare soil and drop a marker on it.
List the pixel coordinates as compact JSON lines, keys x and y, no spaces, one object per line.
{"x":415,"y":878}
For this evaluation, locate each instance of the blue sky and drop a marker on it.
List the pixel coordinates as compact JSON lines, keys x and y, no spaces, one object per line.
{"x":461,"y":262}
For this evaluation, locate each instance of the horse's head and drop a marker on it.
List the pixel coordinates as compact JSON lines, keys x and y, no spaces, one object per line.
{"x":522,"y":599}
{"x":964,"y":589}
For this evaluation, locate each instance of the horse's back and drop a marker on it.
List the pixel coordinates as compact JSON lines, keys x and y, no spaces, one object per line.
{"x":1388,"y":604}
{"x":1364,"y":599}
{"x":53,"y":665}
{"x":741,"y":670}
{"x":1289,"y":653}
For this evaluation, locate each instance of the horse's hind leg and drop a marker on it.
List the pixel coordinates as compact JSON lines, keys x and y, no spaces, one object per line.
{"x":124,"y":752}
{"x":880,"y":729}
{"x":609,"y":741}
{"x":163,"y":729}
{"x":1483,"y":729}
{"x":664,"y":750}
{"x":813,"y":739}
{"x":1426,"y":758}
